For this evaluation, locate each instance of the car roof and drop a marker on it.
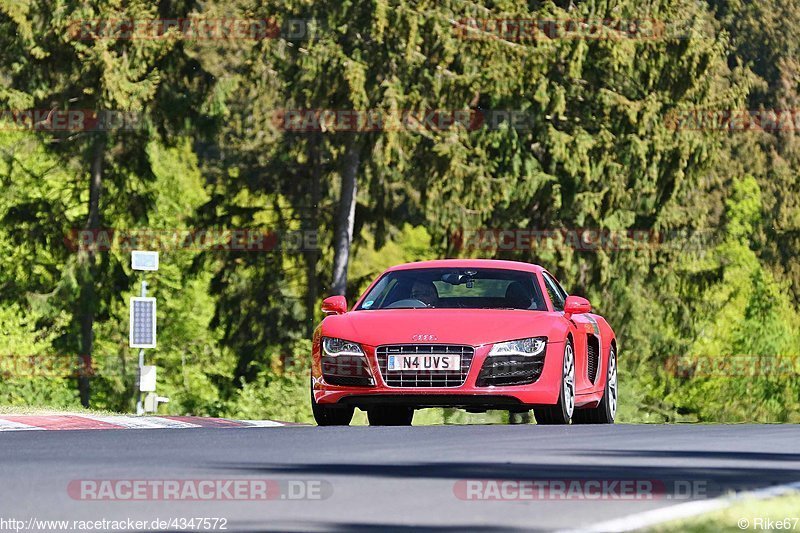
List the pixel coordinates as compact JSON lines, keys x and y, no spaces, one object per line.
{"x":469,"y":263}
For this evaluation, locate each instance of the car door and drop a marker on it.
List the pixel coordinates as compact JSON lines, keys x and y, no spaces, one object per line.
{"x":582,"y":333}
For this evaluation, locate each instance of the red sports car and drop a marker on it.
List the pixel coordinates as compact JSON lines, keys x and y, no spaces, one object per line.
{"x":473,"y":334}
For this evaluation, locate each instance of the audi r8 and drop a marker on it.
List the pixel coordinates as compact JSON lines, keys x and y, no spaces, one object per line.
{"x":471,"y":334}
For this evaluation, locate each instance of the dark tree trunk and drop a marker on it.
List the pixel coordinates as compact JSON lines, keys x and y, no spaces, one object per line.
{"x":88,"y":297}
{"x":345,"y":217}
{"x":312,"y":224}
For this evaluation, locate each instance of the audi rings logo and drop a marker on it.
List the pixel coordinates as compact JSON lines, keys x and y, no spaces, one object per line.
{"x":424,"y":337}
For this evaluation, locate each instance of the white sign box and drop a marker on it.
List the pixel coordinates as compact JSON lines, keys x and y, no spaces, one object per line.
{"x":147,"y":379}
{"x":141,"y":260}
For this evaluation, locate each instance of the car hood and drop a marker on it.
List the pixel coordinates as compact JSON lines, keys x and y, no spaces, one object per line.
{"x":446,"y":326}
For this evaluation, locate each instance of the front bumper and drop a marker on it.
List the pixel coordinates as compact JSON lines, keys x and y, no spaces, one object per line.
{"x":544,"y":391}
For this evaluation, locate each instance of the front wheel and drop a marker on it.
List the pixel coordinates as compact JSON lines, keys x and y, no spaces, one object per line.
{"x":561,"y":413}
{"x":390,"y":415}
{"x":606,"y":410}
{"x":334,"y":415}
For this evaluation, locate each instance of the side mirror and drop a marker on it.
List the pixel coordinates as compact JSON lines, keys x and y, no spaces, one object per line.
{"x":575,"y":305}
{"x":336,"y":305}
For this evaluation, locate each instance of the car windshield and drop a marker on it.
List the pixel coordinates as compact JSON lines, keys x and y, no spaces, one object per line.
{"x":448,"y":288}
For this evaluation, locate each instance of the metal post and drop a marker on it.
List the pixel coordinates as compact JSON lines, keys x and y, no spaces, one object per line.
{"x":139,"y":406}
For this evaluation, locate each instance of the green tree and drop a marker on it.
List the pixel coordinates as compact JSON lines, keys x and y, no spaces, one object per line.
{"x":54,"y":64}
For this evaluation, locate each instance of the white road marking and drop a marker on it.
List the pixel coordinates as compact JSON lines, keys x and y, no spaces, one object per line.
{"x":142,"y":422}
{"x":10,"y":425}
{"x":263,"y":423}
{"x":684,"y":510}
{"x":139,"y":422}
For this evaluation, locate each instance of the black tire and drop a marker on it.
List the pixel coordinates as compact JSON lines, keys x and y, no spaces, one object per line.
{"x":390,"y":415}
{"x":561,"y":412}
{"x":335,"y":415}
{"x":606,"y":410}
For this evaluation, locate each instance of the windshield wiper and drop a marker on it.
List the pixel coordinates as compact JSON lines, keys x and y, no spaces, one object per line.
{"x":506,"y":308}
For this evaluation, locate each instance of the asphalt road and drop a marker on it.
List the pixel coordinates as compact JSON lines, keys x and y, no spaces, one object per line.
{"x":365,"y":479}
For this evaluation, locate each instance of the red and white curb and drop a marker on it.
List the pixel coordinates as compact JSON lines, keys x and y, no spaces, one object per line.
{"x":71,"y":422}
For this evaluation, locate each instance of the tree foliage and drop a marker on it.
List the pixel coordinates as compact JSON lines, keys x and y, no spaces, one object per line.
{"x":211,"y":150}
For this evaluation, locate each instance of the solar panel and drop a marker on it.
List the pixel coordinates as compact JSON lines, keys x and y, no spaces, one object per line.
{"x":143,"y":323}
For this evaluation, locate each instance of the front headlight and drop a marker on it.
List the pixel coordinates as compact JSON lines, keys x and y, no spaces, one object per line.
{"x":334,"y":347}
{"x":526,"y":347}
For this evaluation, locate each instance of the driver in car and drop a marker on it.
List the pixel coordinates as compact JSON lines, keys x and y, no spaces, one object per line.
{"x":425,"y":292}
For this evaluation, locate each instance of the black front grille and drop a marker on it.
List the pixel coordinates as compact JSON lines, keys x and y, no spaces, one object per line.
{"x":500,"y":370}
{"x":346,"y":370}
{"x":424,"y":378}
{"x":593,"y":349}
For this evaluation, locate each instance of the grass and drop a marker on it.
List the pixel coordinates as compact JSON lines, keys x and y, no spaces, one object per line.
{"x":783,"y":509}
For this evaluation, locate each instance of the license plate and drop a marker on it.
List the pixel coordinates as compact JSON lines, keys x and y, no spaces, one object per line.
{"x":424,"y":362}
